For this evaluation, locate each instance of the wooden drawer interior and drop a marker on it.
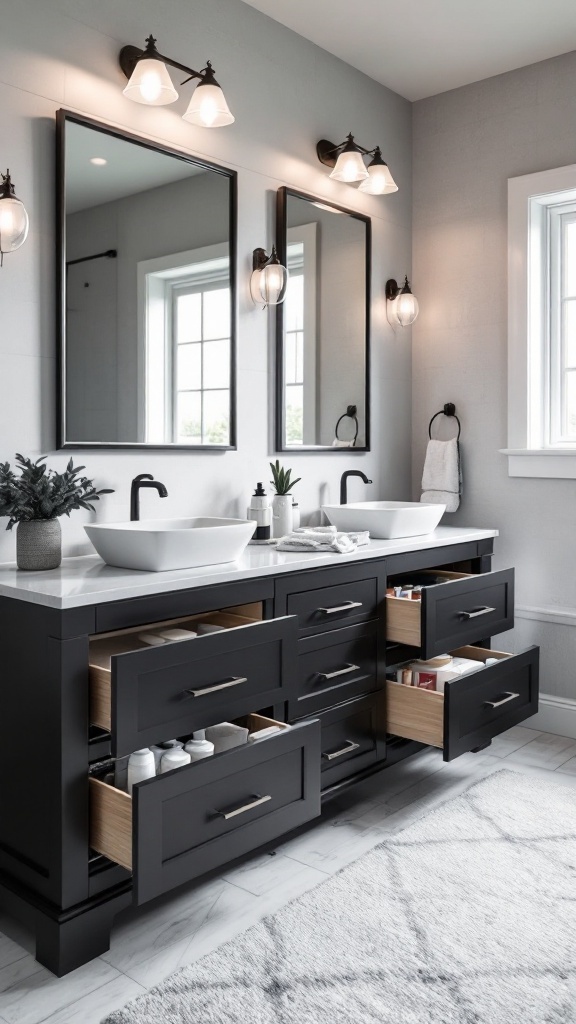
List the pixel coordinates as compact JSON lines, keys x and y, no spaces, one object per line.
{"x":104,"y":646}
{"x":418,"y":714}
{"x":404,"y":616}
{"x":111,"y":808}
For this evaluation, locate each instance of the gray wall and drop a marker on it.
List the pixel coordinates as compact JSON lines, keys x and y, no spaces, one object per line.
{"x":466,"y":144}
{"x":63,"y":53}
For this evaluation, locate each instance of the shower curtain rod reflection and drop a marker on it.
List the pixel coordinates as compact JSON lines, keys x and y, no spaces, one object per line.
{"x":110,"y":254}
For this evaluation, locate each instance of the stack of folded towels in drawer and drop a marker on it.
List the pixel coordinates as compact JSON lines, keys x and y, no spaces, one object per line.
{"x":322,"y":538}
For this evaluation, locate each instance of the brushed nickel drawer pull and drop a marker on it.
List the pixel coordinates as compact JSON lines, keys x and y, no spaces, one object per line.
{"x":478,"y":611}
{"x":245,"y":807}
{"x":341,"y":607}
{"x":498,"y":703}
{"x":340,"y":672}
{"x":345,"y":750}
{"x":235,"y":681}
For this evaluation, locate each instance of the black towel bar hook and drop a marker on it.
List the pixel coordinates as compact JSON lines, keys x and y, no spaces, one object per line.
{"x":448,"y":410}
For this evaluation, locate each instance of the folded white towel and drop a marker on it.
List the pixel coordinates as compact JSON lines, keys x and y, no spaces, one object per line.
{"x":323,"y":538}
{"x":441,"y":477}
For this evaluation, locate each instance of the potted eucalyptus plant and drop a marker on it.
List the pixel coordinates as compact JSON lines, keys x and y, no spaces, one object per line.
{"x":35,"y":497}
{"x":282,"y":500}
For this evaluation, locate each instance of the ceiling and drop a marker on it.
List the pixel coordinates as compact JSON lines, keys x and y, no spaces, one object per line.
{"x":422,"y":47}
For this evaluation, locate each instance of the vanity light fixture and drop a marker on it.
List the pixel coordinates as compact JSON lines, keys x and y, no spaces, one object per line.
{"x":14,"y":221}
{"x":347,"y":161}
{"x":269,"y":278}
{"x":149,"y":82}
{"x":401,"y":305}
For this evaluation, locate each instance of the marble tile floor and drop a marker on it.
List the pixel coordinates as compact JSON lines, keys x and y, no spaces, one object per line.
{"x":157,"y":940}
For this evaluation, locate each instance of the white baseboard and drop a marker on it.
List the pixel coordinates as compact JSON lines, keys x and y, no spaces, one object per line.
{"x":559,"y":616}
{"x":556,"y":715}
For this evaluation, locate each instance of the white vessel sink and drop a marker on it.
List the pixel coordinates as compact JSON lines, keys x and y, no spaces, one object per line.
{"x":157,"y":545}
{"x":386,"y":519}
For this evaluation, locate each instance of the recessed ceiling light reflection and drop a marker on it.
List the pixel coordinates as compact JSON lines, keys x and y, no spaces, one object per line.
{"x":98,"y":161}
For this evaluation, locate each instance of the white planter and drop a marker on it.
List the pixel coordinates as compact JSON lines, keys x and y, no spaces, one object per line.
{"x":281,"y":515}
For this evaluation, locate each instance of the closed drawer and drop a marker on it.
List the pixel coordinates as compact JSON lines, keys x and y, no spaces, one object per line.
{"x":184,"y":823}
{"x":459,"y":611}
{"x":331,"y":607}
{"x":473,"y":709}
{"x":353,"y":738}
{"x":151,"y":694}
{"x":333,"y":668}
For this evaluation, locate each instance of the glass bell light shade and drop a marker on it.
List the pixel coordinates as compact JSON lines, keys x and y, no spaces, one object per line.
{"x":269,"y":281}
{"x":350,"y":166}
{"x":14,"y":221}
{"x":379,"y":181}
{"x":150,"y":82}
{"x":404,"y":307}
{"x":208,"y":107}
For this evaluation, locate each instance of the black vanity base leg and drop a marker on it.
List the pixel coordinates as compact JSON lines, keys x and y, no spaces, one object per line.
{"x":71,"y":940}
{"x":476,"y":750}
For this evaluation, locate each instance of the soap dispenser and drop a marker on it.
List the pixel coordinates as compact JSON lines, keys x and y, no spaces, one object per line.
{"x":260,"y":511}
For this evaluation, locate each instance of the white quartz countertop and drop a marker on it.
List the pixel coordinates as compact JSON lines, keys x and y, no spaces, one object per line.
{"x":88,"y":580}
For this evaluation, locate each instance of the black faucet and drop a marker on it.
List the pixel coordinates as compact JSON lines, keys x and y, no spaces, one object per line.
{"x":143,"y":480}
{"x":344,"y":481}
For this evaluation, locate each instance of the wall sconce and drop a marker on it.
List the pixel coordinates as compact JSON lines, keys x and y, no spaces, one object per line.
{"x":269,"y":278}
{"x":150,"y":83}
{"x":401,"y":306}
{"x":347,"y":161}
{"x":14,"y":221}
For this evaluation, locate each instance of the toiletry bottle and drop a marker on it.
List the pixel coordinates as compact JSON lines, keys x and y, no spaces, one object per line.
{"x":198,"y":749}
{"x":295,"y":515}
{"x":160,"y":749}
{"x":174,"y":758}
{"x":260,"y":511}
{"x":141,"y":765}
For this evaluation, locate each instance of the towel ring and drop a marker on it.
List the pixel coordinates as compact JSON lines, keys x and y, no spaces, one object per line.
{"x":350,"y":412}
{"x":448,"y":410}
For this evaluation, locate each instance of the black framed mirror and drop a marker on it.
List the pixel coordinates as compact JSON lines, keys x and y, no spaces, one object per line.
{"x":147,"y":293}
{"x":323,"y":326}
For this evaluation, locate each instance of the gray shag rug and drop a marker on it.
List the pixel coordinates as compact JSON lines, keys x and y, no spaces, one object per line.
{"x":467,"y":916}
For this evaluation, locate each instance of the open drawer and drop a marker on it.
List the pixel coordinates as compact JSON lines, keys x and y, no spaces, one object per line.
{"x":144,"y":694}
{"x":472,"y":709}
{"x":181,"y":824}
{"x":458,"y":611}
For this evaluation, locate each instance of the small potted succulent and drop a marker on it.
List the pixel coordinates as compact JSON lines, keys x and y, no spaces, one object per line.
{"x":35,"y":499}
{"x":282,"y":501}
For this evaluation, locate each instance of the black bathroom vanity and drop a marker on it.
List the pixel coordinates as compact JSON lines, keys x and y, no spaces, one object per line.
{"x":308,"y":641}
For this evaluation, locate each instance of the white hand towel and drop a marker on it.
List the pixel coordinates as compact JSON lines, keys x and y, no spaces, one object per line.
{"x":441,"y":478}
{"x":323,"y":538}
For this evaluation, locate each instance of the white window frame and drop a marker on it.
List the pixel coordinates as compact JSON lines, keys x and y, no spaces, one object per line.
{"x":306,"y":235}
{"x":157,"y":280}
{"x":531,"y":449}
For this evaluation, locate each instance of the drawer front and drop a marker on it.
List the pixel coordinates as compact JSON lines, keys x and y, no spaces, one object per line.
{"x":451,"y":614}
{"x":353,"y":738}
{"x":480,"y":706}
{"x":330,"y":675}
{"x":190,"y":821}
{"x":327,"y":608}
{"x":472,"y":709}
{"x":171,"y":690}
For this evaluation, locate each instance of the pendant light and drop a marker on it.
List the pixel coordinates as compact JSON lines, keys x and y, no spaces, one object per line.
{"x":14,"y":221}
{"x":379,"y":181}
{"x":269,"y":278}
{"x":402,"y":306}
{"x":349,"y":164}
{"x":149,"y":82}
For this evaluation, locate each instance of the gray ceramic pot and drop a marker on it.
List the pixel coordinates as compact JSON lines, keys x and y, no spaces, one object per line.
{"x":39,"y":544}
